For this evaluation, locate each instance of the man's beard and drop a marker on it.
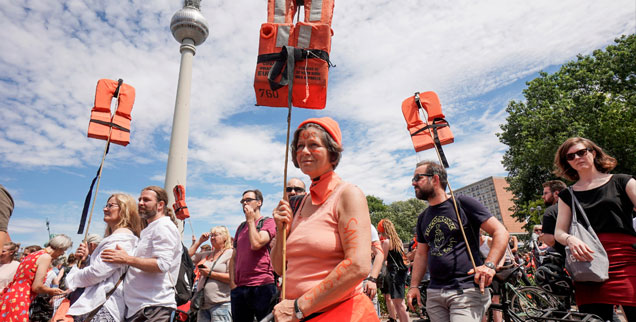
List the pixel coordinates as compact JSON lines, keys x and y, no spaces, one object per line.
{"x":549,"y":202}
{"x":422,"y":194}
{"x":147,"y":213}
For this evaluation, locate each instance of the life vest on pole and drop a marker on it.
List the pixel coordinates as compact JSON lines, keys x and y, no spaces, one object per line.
{"x":310,"y":42}
{"x":435,"y":131}
{"x":180,"y":208}
{"x":118,"y":125}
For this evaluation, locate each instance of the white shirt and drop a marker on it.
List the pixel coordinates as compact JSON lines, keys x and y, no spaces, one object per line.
{"x":160,"y":240}
{"x":100,"y":278}
{"x":374,"y":234}
{"x":7,"y":272}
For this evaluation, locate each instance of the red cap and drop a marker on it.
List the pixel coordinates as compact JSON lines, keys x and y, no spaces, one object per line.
{"x":381,"y":226}
{"x":329,"y":125}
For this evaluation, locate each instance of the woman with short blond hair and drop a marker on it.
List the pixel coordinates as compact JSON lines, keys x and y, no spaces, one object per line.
{"x":214,"y":276}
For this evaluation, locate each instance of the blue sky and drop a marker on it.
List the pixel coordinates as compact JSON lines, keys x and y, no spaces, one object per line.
{"x":477,"y":55}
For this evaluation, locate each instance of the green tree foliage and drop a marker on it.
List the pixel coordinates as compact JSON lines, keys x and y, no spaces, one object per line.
{"x":593,"y":97}
{"x":403,"y":214}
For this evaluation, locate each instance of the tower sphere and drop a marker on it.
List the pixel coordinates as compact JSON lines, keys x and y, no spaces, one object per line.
{"x":189,"y":23}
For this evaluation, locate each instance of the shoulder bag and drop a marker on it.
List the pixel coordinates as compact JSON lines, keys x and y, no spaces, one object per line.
{"x":197,"y":299}
{"x":582,"y":271}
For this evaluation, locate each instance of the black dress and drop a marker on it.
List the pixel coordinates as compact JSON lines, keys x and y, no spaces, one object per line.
{"x":610,"y":212}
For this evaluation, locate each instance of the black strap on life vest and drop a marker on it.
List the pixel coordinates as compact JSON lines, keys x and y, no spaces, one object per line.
{"x":110,"y":124}
{"x":437,"y":123}
{"x":285,"y":60}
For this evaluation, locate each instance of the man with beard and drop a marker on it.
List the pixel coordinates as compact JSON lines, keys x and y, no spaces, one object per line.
{"x":149,"y":284}
{"x":551,"y":190}
{"x":453,"y":294}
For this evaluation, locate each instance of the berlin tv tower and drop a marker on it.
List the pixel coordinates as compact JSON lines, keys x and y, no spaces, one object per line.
{"x":189,"y":28}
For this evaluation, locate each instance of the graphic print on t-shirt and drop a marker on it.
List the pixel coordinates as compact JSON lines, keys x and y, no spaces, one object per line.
{"x":442,"y":237}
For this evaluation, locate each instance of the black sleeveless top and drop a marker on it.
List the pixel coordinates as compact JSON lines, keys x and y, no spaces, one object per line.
{"x":608,"y":208}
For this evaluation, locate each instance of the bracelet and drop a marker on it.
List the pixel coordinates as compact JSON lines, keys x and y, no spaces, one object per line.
{"x":371,"y":279}
{"x":566,"y":239}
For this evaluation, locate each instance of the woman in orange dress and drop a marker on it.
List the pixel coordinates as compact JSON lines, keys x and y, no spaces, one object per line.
{"x":328,"y":248}
{"x":29,"y":281}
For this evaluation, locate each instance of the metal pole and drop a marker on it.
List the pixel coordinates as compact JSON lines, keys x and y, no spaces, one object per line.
{"x":177,"y":167}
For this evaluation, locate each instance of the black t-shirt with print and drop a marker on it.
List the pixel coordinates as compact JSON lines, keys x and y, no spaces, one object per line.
{"x":448,"y":260}
{"x":608,"y":208}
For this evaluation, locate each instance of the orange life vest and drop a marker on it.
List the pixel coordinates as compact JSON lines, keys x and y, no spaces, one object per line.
{"x":179,"y":206}
{"x":118,"y":125}
{"x":420,"y":134}
{"x":311,"y":42}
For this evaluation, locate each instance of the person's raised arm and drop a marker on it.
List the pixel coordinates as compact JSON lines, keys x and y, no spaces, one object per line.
{"x":258,"y":239}
{"x":195,"y":245}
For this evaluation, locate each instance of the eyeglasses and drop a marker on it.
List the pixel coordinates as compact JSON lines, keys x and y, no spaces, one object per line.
{"x":419,"y":176}
{"x":581,"y":153}
{"x":297,"y":189}
{"x":246,"y":200}
{"x":538,"y":230}
{"x":111,"y":205}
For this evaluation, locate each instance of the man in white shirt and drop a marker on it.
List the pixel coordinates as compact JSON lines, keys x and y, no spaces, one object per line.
{"x":149,"y":284}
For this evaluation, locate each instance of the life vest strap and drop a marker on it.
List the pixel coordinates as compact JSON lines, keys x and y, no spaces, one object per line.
{"x":281,"y":61}
{"x":117,"y":126}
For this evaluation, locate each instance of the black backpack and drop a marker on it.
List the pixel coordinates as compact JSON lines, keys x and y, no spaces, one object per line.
{"x":185,"y":281}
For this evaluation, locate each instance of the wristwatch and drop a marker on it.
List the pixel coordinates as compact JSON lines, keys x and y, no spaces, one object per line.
{"x":299,"y":314}
{"x":371,"y":279}
{"x":490,"y":265}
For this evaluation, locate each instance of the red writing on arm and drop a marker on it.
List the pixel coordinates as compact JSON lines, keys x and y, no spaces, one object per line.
{"x":327,"y":283}
{"x":350,"y":235}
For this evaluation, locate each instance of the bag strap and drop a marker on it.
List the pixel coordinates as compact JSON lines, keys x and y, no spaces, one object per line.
{"x":577,"y":205}
{"x":92,"y":314}
{"x":211,"y":268}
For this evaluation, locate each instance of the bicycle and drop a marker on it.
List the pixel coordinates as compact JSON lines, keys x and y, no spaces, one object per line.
{"x":531,"y":303}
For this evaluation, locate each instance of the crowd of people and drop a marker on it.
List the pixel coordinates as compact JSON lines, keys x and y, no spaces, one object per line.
{"x":322,"y":244}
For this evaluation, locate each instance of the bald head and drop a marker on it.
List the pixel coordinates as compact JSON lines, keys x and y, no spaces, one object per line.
{"x":294,"y":187}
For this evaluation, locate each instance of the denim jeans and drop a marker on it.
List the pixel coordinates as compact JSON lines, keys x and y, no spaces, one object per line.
{"x":251,"y":301}
{"x":217,"y":313}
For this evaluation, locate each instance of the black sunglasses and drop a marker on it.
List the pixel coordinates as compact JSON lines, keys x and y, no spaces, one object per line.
{"x":297,"y":189}
{"x":246,"y":200}
{"x":581,"y":153}
{"x":419,"y":176}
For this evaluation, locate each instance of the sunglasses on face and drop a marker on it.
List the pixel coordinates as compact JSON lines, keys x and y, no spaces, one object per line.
{"x":297,"y":189}
{"x":581,"y":153}
{"x":246,"y":200}
{"x":419,"y":176}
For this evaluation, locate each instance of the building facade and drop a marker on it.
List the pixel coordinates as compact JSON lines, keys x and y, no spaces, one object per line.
{"x":492,"y":192}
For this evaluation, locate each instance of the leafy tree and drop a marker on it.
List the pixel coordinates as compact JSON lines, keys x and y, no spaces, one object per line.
{"x":593,"y":97}
{"x":403,"y":214}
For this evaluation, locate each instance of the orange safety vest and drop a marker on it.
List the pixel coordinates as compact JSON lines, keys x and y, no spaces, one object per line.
{"x":118,"y":124}
{"x":420,"y":134}
{"x":311,"y":41}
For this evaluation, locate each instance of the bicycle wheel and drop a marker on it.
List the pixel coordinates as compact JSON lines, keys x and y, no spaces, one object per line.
{"x":532,"y":301}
